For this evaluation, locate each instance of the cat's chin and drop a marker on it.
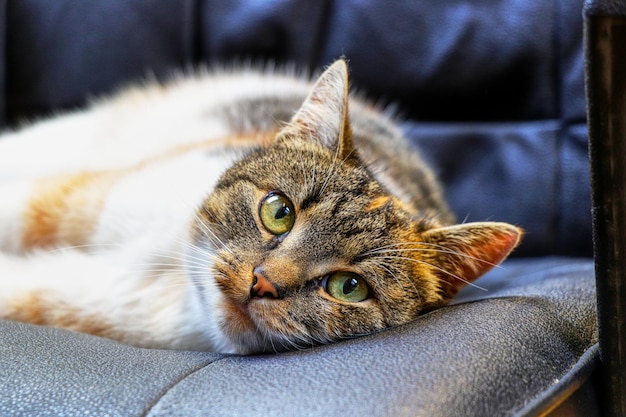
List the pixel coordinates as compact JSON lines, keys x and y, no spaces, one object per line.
{"x":240,"y":319}
{"x":244,"y":327}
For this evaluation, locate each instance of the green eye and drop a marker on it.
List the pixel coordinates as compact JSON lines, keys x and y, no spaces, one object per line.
{"x":346,"y":286}
{"x":277,"y":214}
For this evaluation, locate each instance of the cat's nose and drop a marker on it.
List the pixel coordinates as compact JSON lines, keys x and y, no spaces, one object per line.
{"x":261,"y":286}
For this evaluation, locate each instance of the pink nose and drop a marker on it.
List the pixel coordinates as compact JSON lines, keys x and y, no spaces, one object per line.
{"x":261,"y":286}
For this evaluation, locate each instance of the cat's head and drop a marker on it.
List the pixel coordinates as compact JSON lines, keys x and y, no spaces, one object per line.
{"x":307,"y":247}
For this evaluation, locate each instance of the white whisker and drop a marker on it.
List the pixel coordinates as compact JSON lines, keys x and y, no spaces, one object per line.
{"x":433,"y":248}
{"x":437,"y":268}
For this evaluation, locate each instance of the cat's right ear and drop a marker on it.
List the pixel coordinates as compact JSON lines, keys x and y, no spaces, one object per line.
{"x":323,"y":116}
{"x":462,"y":253}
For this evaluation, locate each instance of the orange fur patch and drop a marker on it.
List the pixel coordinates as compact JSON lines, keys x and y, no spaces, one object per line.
{"x":65,"y":209}
{"x":37,"y":308}
{"x":379,"y":202}
{"x":383,"y":200}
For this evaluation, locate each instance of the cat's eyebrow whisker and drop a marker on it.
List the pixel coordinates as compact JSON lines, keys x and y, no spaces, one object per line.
{"x":471,"y":284}
{"x":309,"y":181}
{"x":448,"y":251}
{"x":334,"y":167}
{"x":329,"y":175}
{"x":418,"y":242}
{"x":375,"y":276}
{"x":387,"y":267}
{"x":331,"y":171}
{"x":393,"y":245}
{"x":314,"y":179}
{"x":412,"y":281}
{"x":438,"y":249}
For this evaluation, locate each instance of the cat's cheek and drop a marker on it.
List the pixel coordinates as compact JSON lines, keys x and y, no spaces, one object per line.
{"x":233,"y":280}
{"x":369,"y":303}
{"x":362,"y":318}
{"x":346,"y":320}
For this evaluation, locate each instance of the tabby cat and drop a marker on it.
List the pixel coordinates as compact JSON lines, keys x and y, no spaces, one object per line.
{"x":235,"y":212}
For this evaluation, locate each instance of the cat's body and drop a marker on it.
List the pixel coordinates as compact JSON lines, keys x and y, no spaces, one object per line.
{"x":194,"y":216}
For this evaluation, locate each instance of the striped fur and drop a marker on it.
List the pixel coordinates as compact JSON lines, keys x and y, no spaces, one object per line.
{"x":138,"y":218}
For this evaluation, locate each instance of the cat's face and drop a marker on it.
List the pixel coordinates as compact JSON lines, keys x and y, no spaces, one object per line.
{"x":307,"y":247}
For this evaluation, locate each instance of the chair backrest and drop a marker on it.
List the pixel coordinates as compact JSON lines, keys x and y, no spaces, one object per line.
{"x":605,"y":54}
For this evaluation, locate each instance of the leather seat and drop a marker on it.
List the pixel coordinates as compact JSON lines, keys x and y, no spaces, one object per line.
{"x":493,"y":94}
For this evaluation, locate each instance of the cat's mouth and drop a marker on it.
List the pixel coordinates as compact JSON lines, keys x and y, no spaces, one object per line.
{"x":254,"y":319}
{"x":241,"y":328}
{"x":244,"y":316}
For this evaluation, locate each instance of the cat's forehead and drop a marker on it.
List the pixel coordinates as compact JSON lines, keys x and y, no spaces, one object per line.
{"x":342,"y":194}
{"x":297,"y":165}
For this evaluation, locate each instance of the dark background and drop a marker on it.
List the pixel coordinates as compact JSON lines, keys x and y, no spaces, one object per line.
{"x":492,"y":91}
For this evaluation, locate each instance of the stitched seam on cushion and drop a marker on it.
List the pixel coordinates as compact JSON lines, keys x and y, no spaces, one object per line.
{"x":150,"y":407}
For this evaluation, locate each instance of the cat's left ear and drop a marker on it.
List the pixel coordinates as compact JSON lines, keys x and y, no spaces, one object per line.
{"x":462,"y":253}
{"x":324,"y":114}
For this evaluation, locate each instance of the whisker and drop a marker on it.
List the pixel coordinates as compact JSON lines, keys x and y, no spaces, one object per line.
{"x":449,"y":251}
{"x":334,"y":167}
{"x":183,"y":256}
{"x":437,"y":268}
{"x":387,"y":267}
{"x":210,"y":234}
{"x":104,"y":246}
{"x":438,"y":249}
{"x":331,"y":171}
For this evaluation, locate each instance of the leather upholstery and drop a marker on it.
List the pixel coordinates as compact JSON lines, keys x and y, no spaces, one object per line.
{"x":512,"y":350}
{"x":491,"y":91}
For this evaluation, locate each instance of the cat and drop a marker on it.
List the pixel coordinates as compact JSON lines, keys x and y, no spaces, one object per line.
{"x":240,"y":212}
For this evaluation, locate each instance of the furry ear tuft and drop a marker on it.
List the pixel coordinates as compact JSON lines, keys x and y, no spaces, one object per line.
{"x":463,"y":253}
{"x":324,"y":114}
